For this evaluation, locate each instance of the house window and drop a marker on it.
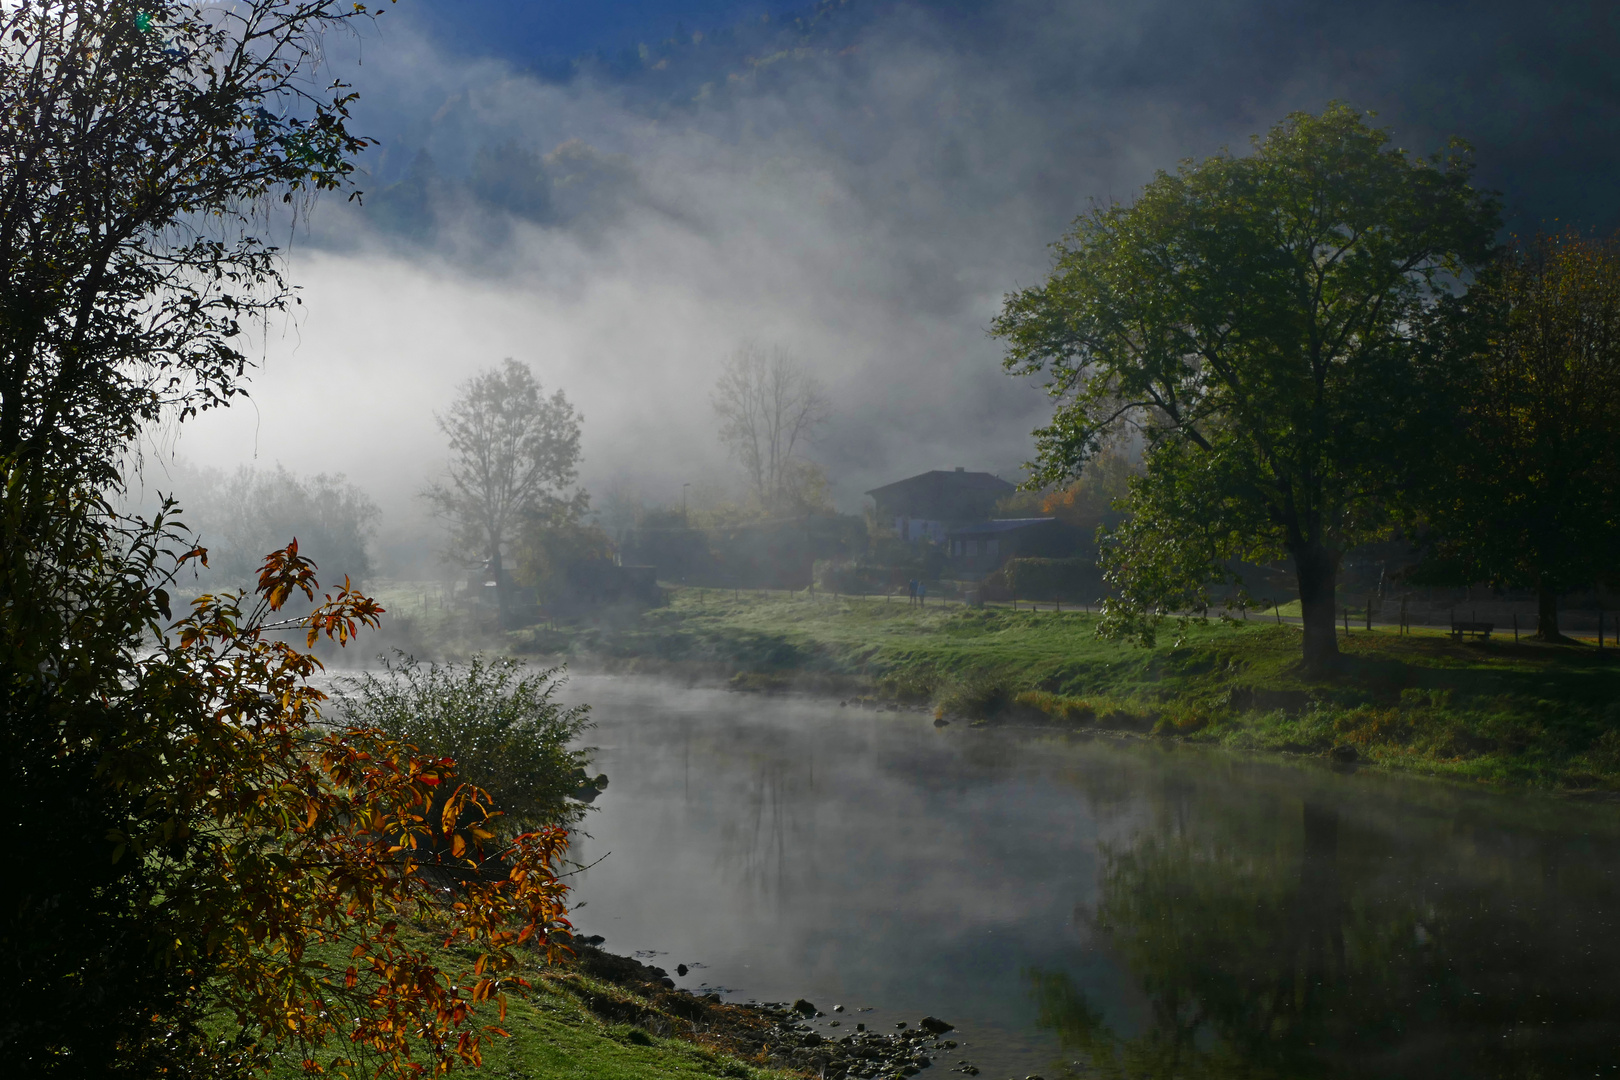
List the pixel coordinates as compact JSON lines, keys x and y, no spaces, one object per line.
{"x":990,"y":547}
{"x":973,"y":547}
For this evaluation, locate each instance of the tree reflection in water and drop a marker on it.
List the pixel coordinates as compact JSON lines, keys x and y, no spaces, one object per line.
{"x":1348,"y":953}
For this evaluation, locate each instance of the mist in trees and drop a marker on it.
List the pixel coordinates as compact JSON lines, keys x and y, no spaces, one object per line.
{"x":514,"y":453}
{"x":242,"y":516}
{"x":770,"y":408}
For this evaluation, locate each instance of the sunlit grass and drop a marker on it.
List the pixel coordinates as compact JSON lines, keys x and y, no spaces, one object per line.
{"x":1496,"y":711}
{"x":552,"y":1034}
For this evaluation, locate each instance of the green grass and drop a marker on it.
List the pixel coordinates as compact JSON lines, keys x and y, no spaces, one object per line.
{"x":571,"y":1026}
{"x":1499,"y":712}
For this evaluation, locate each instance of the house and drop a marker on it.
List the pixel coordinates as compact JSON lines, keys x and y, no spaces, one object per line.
{"x":983,"y":546}
{"x":927,"y":506}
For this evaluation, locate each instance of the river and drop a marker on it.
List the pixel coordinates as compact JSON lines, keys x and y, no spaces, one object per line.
{"x":1090,"y":906}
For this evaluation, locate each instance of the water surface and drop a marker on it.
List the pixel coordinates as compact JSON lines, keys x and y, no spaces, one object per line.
{"x":1086,"y":906}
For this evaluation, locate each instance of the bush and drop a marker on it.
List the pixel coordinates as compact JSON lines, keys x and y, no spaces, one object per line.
{"x":501,"y":724}
{"x":1076,"y":581}
{"x":977,"y":697}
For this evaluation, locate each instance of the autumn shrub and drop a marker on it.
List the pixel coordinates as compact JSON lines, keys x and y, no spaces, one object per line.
{"x":202,"y":849}
{"x":499,"y":720}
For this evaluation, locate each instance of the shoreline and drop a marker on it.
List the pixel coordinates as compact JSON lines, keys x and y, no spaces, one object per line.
{"x":1040,"y":723}
{"x":772,"y":1034}
{"x":1495,"y":714}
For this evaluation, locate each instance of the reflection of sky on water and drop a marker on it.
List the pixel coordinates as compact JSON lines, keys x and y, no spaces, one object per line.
{"x":797,"y":849}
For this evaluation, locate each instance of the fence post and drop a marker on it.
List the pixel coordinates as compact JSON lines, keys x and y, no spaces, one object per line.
{"x":1515,"y":628}
{"x":1369,"y":612}
{"x":1276,"y":609}
{"x":1346,"y":622}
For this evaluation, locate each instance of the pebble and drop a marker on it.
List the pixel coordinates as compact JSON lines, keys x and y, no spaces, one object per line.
{"x":680,"y":969}
{"x":838,"y":1008}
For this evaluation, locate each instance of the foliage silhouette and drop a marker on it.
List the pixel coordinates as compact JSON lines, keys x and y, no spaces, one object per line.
{"x":1255,"y":320}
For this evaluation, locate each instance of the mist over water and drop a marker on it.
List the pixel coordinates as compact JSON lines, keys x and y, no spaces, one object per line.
{"x":1054,"y":896}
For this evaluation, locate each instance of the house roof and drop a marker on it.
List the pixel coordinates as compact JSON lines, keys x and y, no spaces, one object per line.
{"x":1004,"y":525}
{"x":939,"y":480}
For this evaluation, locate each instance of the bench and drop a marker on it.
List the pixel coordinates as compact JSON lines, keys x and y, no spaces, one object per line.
{"x":1460,"y":630}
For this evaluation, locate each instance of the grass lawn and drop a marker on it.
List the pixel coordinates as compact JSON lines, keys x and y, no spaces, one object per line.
{"x":1524,"y":714}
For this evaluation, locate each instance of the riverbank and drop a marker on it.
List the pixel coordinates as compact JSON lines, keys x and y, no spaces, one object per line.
{"x":599,"y":1016}
{"x":1499,"y":712}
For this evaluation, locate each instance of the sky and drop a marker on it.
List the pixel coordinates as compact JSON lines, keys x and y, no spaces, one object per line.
{"x":620,"y":194}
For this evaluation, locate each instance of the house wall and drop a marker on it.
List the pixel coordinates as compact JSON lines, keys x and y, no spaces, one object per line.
{"x":913,"y":530}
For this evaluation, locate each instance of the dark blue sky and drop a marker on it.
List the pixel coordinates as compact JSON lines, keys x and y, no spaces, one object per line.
{"x":544,"y":32}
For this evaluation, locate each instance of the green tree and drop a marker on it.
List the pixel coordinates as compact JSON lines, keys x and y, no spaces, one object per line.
{"x":548,"y":545}
{"x":192,"y":842}
{"x":514,"y":454}
{"x":138,"y":144}
{"x":1529,"y":491}
{"x":1256,"y":319}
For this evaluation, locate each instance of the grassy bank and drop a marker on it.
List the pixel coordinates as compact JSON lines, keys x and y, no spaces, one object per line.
{"x":1499,"y":712}
{"x":598,"y":1016}
{"x":605,"y":1017}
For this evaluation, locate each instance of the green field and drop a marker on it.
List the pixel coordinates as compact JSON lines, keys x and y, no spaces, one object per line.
{"x":1497,"y":712}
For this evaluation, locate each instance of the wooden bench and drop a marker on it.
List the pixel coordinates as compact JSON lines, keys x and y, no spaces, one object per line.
{"x":1460,"y":630}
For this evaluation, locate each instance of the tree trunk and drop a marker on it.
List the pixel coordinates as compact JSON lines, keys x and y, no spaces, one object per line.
{"x":499,"y":577}
{"x":1317,"y":571}
{"x":1547,"y":613}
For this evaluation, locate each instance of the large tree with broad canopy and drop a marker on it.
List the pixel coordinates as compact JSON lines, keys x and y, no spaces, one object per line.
{"x":1258,"y":322}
